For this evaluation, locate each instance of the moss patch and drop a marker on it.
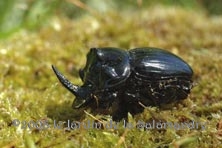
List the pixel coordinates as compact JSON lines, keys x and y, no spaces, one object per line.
{"x":29,"y":90}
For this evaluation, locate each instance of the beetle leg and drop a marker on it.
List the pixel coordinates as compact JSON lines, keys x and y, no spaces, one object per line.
{"x":119,"y":110}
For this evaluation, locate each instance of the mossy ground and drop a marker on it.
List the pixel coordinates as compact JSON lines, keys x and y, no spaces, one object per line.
{"x":29,"y":90}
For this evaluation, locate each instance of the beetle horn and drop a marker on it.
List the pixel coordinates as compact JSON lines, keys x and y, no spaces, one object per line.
{"x":65,"y":82}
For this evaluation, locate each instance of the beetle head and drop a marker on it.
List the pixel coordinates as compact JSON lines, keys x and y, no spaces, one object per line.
{"x":105,"y":67}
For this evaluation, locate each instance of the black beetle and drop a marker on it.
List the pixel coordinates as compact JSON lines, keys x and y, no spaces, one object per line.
{"x":120,"y":81}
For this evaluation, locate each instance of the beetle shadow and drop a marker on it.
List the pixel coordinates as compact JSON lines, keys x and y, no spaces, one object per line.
{"x":64,"y":112}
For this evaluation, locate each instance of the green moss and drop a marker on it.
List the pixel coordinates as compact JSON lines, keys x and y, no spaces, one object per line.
{"x":29,"y":91}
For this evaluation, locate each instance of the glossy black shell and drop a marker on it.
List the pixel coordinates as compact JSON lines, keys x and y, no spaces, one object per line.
{"x":154,"y":63}
{"x":120,"y":81}
{"x":158,"y":75}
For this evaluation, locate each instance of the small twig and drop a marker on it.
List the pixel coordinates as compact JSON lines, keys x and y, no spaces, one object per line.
{"x":93,"y":117}
{"x":81,"y":5}
{"x":139,"y":2}
{"x":145,"y":107}
{"x":122,"y":139}
{"x":141,"y":104}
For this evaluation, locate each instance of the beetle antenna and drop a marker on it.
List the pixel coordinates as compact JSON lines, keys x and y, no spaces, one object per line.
{"x":65,"y":82}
